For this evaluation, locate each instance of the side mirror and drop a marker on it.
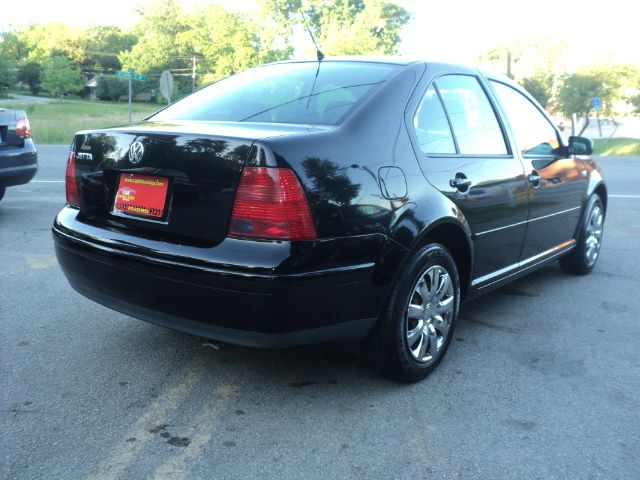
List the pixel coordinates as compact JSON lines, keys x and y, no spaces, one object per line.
{"x":580,"y":146}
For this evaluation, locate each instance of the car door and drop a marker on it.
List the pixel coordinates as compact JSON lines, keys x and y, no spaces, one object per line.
{"x":466,"y":157}
{"x":555,"y":187}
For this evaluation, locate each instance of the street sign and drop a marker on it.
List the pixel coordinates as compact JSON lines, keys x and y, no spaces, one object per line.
{"x":131,"y":76}
{"x":166,"y":85}
{"x":595,"y":103}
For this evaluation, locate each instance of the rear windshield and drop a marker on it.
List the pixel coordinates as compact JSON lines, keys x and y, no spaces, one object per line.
{"x":308,"y":93}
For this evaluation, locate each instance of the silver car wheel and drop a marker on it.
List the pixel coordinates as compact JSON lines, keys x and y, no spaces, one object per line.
{"x":593,"y":237}
{"x":429,"y":314}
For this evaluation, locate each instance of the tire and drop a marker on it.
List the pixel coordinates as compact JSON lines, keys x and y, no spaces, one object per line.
{"x":583,"y":258}
{"x":2,"y":190}
{"x":393,"y":348}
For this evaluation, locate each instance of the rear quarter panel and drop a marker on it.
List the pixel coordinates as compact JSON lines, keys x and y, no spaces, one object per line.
{"x":339,"y":173}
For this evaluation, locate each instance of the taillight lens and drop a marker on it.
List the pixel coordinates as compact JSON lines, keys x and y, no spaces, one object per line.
{"x":270,"y":204}
{"x":23,"y":129}
{"x":70,"y":180}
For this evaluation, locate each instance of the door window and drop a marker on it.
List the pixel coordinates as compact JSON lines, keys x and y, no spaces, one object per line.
{"x":473,"y":120}
{"x":431,"y":125}
{"x":533,"y":133}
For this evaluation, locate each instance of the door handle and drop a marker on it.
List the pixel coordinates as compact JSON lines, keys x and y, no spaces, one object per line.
{"x":461,"y":182}
{"x":534,"y":179}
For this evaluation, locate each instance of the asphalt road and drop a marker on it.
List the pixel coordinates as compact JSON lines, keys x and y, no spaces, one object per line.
{"x":25,"y":99}
{"x":542,"y":380}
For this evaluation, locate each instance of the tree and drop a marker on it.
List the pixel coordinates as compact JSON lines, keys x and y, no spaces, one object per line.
{"x":577,"y":90}
{"x":224,"y":41}
{"x":635,"y":101}
{"x":29,"y":74}
{"x":60,"y":77}
{"x":111,"y":88}
{"x":221,"y":42}
{"x":157,"y":48}
{"x":344,"y":27}
{"x":157,"y":30}
{"x":538,"y":60}
{"x":13,"y":46}
{"x":46,"y":40}
{"x":540,"y":86}
{"x":607,"y":83}
{"x":103,"y":44}
{"x":7,"y":76}
{"x":506,"y":54}
{"x":631,"y":88}
{"x":576,"y":93}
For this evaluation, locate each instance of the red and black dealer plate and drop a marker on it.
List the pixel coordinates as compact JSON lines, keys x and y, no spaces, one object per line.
{"x":141,"y":196}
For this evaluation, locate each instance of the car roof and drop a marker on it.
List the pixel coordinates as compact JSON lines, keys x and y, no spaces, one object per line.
{"x":395,"y":60}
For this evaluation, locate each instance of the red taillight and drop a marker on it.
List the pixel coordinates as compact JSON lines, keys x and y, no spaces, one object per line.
{"x":23,"y":129}
{"x":270,"y":204}
{"x":70,"y":180}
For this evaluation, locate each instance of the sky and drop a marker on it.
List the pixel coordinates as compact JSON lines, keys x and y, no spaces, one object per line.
{"x":449,"y":30}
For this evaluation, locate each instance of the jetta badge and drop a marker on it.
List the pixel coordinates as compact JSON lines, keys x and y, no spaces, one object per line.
{"x":136,"y":151}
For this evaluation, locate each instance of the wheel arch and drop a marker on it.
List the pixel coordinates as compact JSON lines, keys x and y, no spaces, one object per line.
{"x":453,"y":237}
{"x":596,"y":185}
{"x":451,"y":234}
{"x":601,"y":190}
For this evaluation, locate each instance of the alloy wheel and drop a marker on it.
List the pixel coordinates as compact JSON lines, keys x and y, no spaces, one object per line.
{"x":593,"y":237}
{"x":429,"y":314}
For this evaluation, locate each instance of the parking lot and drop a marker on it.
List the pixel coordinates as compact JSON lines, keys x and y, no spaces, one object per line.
{"x":542,"y":379}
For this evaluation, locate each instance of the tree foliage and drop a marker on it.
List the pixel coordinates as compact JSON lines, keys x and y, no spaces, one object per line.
{"x":635,"y":101}
{"x":540,"y":86}
{"x":221,"y":42}
{"x":59,"y":77}
{"x":45,"y":40}
{"x":577,"y":90}
{"x":7,"y":75}
{"x":520,"y":58}
{"x":30,"y":74}
{"x":111,"y":88}
{"x":102,"y":46}
{"x":167,"y":37}
{"x":344,"y":27}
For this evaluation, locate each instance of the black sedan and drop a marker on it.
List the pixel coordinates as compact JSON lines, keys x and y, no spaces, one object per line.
{"x":349,"y":199}
{"x":18,"y":155}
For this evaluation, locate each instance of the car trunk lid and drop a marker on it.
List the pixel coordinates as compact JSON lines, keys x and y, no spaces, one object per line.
{"x":202,"y":163}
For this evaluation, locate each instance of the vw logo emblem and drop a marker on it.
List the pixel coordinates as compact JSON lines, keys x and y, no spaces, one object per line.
{"x":136,"y":151}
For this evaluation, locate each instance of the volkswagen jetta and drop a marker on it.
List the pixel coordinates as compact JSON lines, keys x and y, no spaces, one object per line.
{"x":350,"y":199}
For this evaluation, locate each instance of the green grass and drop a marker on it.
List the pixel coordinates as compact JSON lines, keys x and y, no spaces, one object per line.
{"x":56,"y":122}
{"x":617,"y":146}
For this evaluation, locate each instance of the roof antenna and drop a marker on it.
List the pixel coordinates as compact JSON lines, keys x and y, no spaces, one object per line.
{"x":319,"y":54}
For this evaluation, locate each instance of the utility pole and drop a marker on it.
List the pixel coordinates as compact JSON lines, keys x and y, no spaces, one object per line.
{"x":193,"y":75}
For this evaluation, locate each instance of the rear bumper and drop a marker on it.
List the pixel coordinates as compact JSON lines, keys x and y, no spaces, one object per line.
{"x":236,"y":305}
{"x":18,"y":165}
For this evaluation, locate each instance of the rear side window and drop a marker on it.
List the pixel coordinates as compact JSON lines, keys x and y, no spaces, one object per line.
{"x":305,"y":92}
{"x":431,"y":125}
{"x":473,"y":120}
{"x":533,"y":133}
